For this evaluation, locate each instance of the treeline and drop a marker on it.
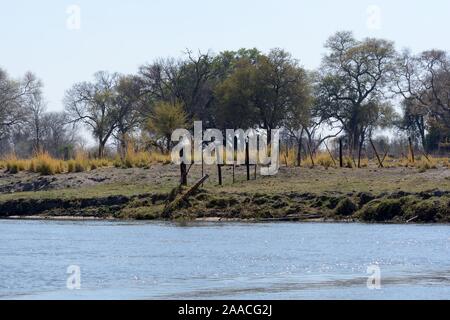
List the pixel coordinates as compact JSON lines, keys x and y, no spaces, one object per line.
{"x":25,"y":126}
{"x":353,"y":94}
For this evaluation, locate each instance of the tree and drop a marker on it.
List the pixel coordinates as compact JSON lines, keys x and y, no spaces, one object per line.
{"x":188,"y":81}
{"x":12,"y":99}
{"x":279,"y":87}
{"x":352,"y":82}
{"x":299,"y":116}
{"x":165,"y":118}
{"x":159,"y":80}
{"x":196,"y":85}
{"x":58,"y":138}
{"x":235,"y":103}
{"x":260,"y":90}
{"x":131,"y":103}
{"x":95,"y":105}
{"x":414,"y":121}
{"x":424,"y":83}
{"x":35,"y":108}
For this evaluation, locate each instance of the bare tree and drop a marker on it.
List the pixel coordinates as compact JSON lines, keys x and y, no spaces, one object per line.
{"x":131,"y":103}
{"x":12,"y":99}
{"x":35,"y":107}
{"x":95,"y":105}
{"x":424,"y":83}
{"x":188,"y":81}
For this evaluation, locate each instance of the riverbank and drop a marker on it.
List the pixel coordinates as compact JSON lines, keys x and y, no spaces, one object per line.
{"x":396,"y":194}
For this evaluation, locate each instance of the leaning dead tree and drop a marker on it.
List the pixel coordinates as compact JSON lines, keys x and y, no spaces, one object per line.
{"x":181,"y":198}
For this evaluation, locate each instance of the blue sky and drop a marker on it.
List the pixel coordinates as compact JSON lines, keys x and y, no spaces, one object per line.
{"x":121,"y":35}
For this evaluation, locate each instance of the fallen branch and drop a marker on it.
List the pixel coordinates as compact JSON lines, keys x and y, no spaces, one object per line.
{"x":331,"y":155}
{"x":376,"y":153}
{"x":182,"y":198}
{"x":412,"y":219}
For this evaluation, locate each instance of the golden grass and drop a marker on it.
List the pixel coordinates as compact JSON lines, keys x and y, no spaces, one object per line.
{"x":141,"y":159}
{"x":15,"y":165}
{"x":45,"y":164}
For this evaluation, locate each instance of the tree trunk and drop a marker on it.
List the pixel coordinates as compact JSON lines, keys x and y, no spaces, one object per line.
{"x":411,"y":149}
{"x":299,"y":152}
{"x":360,"y":146}
{"x":123,"y":147}
{"x":101,"y":149}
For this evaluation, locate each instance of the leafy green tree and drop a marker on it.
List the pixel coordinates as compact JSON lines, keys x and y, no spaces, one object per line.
{"x":352,"y":82}
{"x":280,"y":85}
{"x":164,"y":119}
{"x":260,"y":90}
{"x":235,"y":105}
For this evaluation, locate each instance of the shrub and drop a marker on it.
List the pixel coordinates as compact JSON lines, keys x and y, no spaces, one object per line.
{"x":428,"y":210}
{"x":345,"y":207}
{"x":381,"y":210}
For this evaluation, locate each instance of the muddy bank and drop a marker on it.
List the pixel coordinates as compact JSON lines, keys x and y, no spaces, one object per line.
{"x":400,"y":207}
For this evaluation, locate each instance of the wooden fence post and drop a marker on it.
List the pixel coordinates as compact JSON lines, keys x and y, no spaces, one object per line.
{"x":233,"y":172}
{"x":219,"y":173}
{"x":202,"y":164}
{"x":247,"y":160}
{"x":183,"y":172}
{"x":341,"y":160}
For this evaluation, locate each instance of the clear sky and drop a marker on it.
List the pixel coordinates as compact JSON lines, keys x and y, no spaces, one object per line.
{"x":41,"y":36}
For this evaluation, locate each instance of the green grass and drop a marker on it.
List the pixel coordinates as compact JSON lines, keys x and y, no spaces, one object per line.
{"x":265,"y":197}
{"x":342,"y":180}
{"x":99,"y":191}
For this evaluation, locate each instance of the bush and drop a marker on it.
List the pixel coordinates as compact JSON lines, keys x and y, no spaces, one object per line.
{"x":345,"y":207}
{"x":381,"y":210}
{"x":429,"y":210}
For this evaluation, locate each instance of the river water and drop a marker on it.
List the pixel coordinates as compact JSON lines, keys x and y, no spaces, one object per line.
{"x":153,"y":260}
